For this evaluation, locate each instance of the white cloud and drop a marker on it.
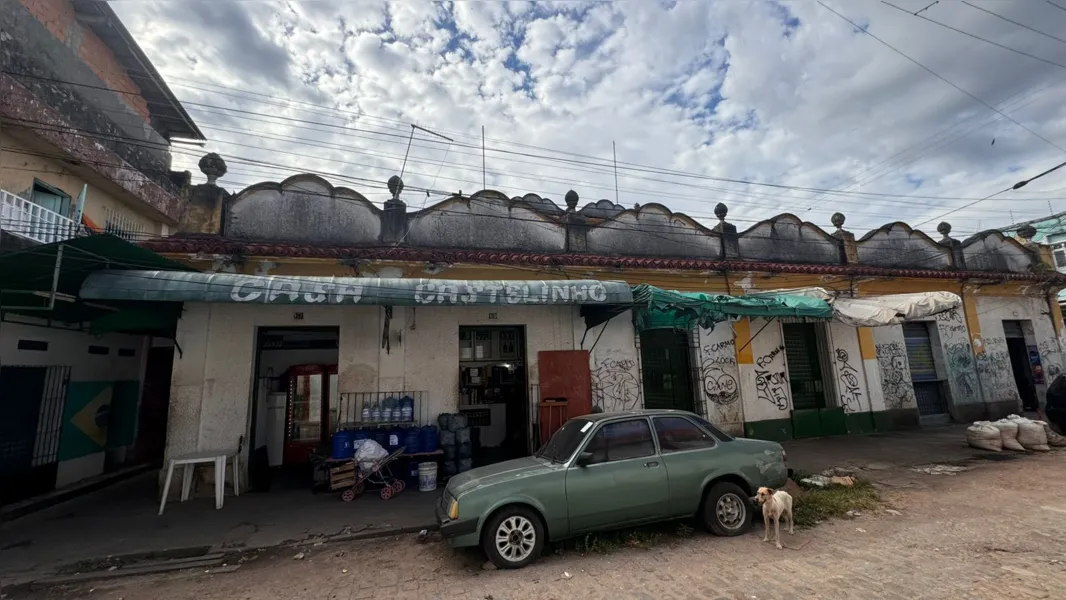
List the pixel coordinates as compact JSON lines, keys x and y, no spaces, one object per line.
{"x":785,"y":93}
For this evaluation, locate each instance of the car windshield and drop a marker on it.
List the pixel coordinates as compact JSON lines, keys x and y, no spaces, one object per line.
{"x":565,"y":441}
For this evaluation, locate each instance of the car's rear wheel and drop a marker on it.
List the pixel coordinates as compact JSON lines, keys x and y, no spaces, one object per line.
{"x":726,"y":510}
{"x":513,"y":538}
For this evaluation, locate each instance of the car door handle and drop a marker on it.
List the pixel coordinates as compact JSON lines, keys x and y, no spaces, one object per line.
{"x":652,"y":464}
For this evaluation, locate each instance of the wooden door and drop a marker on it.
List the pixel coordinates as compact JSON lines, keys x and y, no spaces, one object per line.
{"x":566,"y":374}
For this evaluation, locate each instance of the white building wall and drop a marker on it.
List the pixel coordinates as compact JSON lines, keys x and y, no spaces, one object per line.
{"x":764,"y":384}
{"x":615,"y":362}
{"x":849,"y":372}
{"x":894,"y":369}
{"x":79,"y":459}
{"x":720,"y":388}
{"x":213,"y":376}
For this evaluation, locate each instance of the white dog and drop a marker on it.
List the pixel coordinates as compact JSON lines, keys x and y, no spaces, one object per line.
{"x":775,"y":505}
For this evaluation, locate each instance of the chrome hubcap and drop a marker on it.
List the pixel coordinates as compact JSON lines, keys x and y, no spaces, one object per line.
{"x":730,"y":511}
{"x":515,"y":538}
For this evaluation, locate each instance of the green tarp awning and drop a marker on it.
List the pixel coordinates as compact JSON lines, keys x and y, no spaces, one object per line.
{"x":27,"y":277}
{"x":655,"y":308}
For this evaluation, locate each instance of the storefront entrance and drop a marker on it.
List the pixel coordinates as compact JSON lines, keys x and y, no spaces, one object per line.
{"x":294,"y":405}
{"x":667,"y":369}
{"x":932,"y":408}
{"x":1020,"y":363}
{"x":812,"y":414}
{"x":493,"y":392}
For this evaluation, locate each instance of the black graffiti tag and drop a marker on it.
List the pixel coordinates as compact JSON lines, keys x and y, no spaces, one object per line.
{"x":849,"y":383}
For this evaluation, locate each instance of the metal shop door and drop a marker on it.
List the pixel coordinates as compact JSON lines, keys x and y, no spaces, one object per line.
{"x":812,"y":416}
{"x":667,"y":368}
{"x":31,"y":420}
{"x":923,"y":370}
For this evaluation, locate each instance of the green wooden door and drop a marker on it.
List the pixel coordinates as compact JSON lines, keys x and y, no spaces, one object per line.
{"x":667,"y":369}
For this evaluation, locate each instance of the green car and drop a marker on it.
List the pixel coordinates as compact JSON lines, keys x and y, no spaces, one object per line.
{"x":606,"y":471}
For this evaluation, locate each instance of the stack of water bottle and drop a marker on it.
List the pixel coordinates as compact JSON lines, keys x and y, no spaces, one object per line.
{"x":455,"y":442}
{"x":389,"y":410}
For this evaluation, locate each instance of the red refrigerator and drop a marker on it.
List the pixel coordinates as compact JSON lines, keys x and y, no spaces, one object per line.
{"x":307,"y":412}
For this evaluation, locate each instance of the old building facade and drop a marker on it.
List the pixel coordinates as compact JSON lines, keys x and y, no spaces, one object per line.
{"x":290,"y":256}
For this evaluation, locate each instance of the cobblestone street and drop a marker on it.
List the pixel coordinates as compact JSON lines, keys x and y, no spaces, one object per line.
{"x":996,"y":531}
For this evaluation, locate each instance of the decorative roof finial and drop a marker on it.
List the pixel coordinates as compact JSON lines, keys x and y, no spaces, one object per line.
{"x":944,"y":229}
{"x":395,"y":186}
{"x":837,"y":220}
{"x":213,"y":166}
{"x":571,"y":200}
{"x":721,"y":210}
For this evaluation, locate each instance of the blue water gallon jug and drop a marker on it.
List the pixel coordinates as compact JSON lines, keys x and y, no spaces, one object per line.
{"x":395,"y":438}
{"x":381,"y":436}
{"x":342,"y":444}
{"x":411,"y":440}
{"x":361,"y":434}
{"x":428,"y":438}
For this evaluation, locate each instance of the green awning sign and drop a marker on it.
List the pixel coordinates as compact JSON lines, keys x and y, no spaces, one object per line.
{"x":167,"y":286}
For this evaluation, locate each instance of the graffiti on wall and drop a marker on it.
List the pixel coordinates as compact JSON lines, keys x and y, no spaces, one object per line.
{"x":850,"y":393}
{"x":770,"y":387}
{"x":771,"y":382}
{"x":994,"y":368}
{"x":962,"y":371}
{"x":951,"y":316}
{"x":895,"y":380}
{"x":615,"y":386}
{"x":719,"y":383}
{"x":1051,"y":357}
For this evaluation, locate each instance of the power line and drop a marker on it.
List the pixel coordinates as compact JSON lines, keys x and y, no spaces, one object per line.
{"x":935,"y":74}
{"x":977,"y":37}
{"x":999,"y":16}
{"x":604,"y":164}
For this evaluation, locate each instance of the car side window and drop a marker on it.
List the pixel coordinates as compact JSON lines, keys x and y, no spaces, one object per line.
{"x":621,"y":441}
{"x":678,"y":433}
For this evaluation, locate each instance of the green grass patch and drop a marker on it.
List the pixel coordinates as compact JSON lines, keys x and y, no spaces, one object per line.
{"x":648,"y":536}
{"x":821,"y":504}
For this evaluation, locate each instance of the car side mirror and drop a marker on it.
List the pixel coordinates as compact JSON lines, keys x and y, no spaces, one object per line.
{"x":584,"y":459}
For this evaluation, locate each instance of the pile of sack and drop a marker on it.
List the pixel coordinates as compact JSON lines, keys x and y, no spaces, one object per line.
{"x":1013,"y":433}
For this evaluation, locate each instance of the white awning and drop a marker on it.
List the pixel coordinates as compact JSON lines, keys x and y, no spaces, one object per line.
{"x":877,"y":311}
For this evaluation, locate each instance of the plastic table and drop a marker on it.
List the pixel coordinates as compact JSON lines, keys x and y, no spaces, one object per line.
{"x":188,"y":464}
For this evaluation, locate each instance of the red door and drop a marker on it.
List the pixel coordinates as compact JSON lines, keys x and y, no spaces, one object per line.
{"x":566,"y":374}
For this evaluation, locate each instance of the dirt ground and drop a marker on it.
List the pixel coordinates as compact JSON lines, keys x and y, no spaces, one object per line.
{"x":995,"y":531}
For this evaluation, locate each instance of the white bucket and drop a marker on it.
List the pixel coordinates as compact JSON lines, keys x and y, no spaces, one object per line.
{"x":427,"y":476}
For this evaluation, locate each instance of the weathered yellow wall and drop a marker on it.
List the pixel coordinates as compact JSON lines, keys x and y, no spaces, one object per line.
{"x":20,"y":165}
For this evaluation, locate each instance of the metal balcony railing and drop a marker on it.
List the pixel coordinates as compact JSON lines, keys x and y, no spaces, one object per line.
{"x":25,"y":219}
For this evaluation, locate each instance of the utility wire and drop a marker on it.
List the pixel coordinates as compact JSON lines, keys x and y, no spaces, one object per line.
{"x":999,"y":16}
{"x":977,"y":37}
{"x":935,"y":74}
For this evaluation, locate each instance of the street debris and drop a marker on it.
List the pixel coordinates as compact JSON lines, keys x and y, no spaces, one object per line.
{"x":820,"y":481}
{"x":423,"y":536}
{"x":566,"y":575}
{"x":894,"y":513}
{"x":299,"y":556}
{"x":860,"y":530}
{"x":846,"y":480}
{"x":940,"y":469}
{"x":854,"y":513}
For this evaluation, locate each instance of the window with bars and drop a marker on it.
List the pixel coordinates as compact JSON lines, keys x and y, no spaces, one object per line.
{"x":1060,"y":256}
{"x":122,"y":225}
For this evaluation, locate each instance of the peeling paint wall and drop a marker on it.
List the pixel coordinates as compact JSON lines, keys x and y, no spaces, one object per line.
{"x":720,"y":375}
{"x":896,"y":387}
{"x":19,"y":167}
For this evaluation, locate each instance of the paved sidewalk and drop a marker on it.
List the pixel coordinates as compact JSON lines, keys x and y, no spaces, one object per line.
{"x":121,"y":520}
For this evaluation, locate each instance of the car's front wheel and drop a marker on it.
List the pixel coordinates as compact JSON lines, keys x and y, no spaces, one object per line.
{"x":726,"y":510}
{"x":513,"y":538}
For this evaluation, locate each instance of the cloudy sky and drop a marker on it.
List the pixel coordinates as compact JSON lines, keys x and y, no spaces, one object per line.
{"x":697,"y":96}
